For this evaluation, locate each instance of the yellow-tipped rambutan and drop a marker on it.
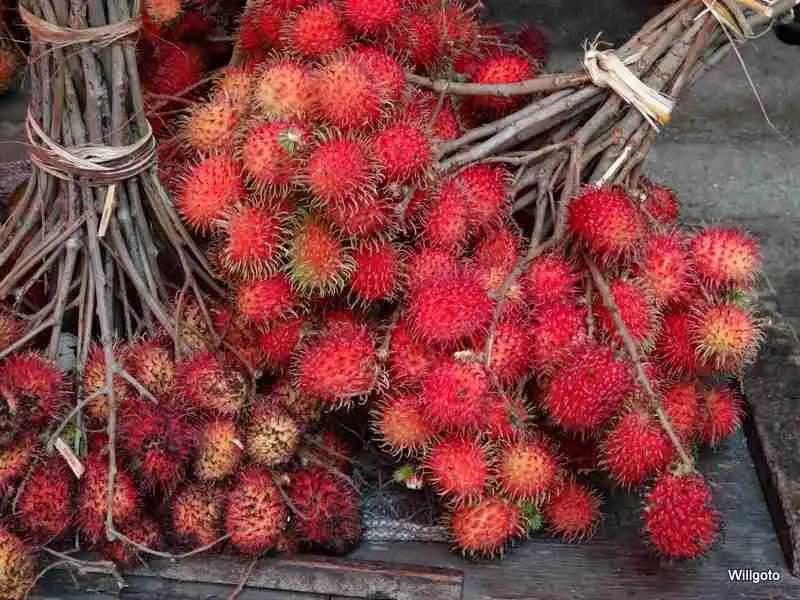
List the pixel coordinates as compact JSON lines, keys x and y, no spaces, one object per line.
{"x":219,"y":450}
{"x":400,"y":424}
{"x":255,"y":515}
{"x":17,"y":574}
{"x":197,"y":512}
{"x":14,"y":460}
{"x":151,"y":364}
{"x":484,"y":528}
{"x":211,"y":126}
{"x":162,"y":12}
{"x":725,"y":335}
{"x":94,"y":381}
{"x":271,"y":435}
{"x":11,"y":328}
{"x":526,"y":470}
{"x":348,"y":96}
{"x":725,"y":258}
{"x":285,"y":89}
{"x":319,"y":262}
{"x":459,"y":469}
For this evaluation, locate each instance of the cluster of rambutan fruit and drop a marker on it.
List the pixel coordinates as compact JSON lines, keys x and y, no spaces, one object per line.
{"x":355,"y":263}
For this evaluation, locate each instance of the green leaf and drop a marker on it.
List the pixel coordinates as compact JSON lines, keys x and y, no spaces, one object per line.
{"x":531,"y":518}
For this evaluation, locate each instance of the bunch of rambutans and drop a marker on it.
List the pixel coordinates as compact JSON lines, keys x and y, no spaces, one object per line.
{"x":359,"y":272}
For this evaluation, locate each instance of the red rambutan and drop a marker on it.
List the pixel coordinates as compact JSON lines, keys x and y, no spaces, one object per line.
{"x":428,"y":262}
{"x":386,"y":70}
{"x":14,"y":460}
{"x":526,"y":470}
{"x":91,"y":508}
{"x":211,"y":126}
{"x":33,"y":390}
{"x":501,"y":67}
{"x":210,"y":189}
{"x":721,"y":415}
{"x":260,"y":29}
{"x":534,"y":43}
{"x":372,"y":215}
{"x":340,"y":171}
{"x":205,"y":383}
{"x":44,"y":507}
{"x":572,"y":512}
{"x":263,"y":301}
{"x":497,"y":249}
{"x":272,"y":154}
{"x":510,"y":358}
{"x":726,"y":335}
{"x":666,"y":268}
{"x":140,"y":529}
{"x":674,"y":347}
{"x":11,"y":328}
{"x":277,"y":343}
{"x":376,"y":272}
{"x":94,"y":381}
{"x":454,"y":394}
{"x":459,"y":469}
{"x":316,"y":31}
{"x":251,"y":242}
{"x":255,"y":515}
{"x":634,"y":449}
{"x":556,"y":329}
{"x":505,"y":418}
{"x":197,"y":512}
{"x":549,"y":278}
{"x":589,"y":389}
{"x":219,"y":450}
{"x":151,"y":364}
{"x":371,"y":17}
{"x":485,"y":527}
{"x":660,"y":203}
{"x":419,"y":38}
{"x":635,"y":309}
{"x":173,"y":67}
{"x":286,"y":89}
{"x":400,"y":424}
{"x":403,"y":151}
{"x":486,"y":191}
{"x":681,"y":405}
{"x":319,"y":262}
{"x":409,"y":359}
{"x":679,"y":518}
{"x":348,"y":95}
{"x":725,"y":258}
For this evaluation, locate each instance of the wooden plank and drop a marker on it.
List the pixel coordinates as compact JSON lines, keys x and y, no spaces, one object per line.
{"x":773,"y":385}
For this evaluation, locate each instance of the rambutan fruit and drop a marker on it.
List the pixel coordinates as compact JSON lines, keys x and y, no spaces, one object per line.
{"x":486,"y":189}
{"x":660,"y":203}
{"x":205,"y":383}
{"x":666,"y":268}
{"x":409,"y":359}
{"x":236,"y":85}
{"x":286,"y":89}
{"x":501,"y":67}
{"x":140,"y":529}
{"x":486,"y":527}
{"x":448,"y":310}
{"x":679,"y":519}
{"x":533,"y":42}
{"x":681,"y":404}
{"x":454,"y":394}
{"x":17,"y":568}
{"x":271,"y":435}
{"x":675,"y":348}
{"x":33,"y":390}
{"x":94,"y":381}
{"x":400,"y":424}
{"x":556,"y":329}
{"x":429,"y":262}
{"x":272,"y":154}
{"x":11,"y":328}
{"x":549,"y":278}
{"x":634,"y":449}
{"x":339,"y":365}
{"x":403,"y":151}
{"x":721,"y":415}
{"x":328,"y":510}
{"x":319,"y":263}
{"x":459,"y":469}
{"x":572,"y":512}
{"x":197,"y":512}
{"x":262,"y":301}
{"x":605,"y":221}
{"x":510,"y":358}
{"x":305,"y":409}
{"x":278,"y":342}
{"x":14,"y":460}
{"x":316,"y":31}
{"x":251,"y":243}
{"x":348,"y":96}
{"x":497,"y":249}
{"x":446,"y":223}
{"x":726,"y":335}
{"x":505,"y":418}
{"x":371,"y":17}
{"x":158,"y":440}
{"x":219,"y":450}
{"x":210,"y":189}
{"x":211,"y":125}
{"x":419,"y":38}
{"x":340,"y":171}
{"x":44,"y":506}
{"x":173,"y":67}
{"x":162,"y":12}
{"x":725,"y":258}
{"x":151,"y":364}
{"x":526,"y":470}
{"x":371,"y":215}
{"x":242,"y":351}
{"x":91,"y":507}
{"x":588,"y":389}
{"x":635,"y":308}
{"x":386,"y":70}
{"x":255,"y":515}
{"x":376,"y":274}
{"x":260,"y":29}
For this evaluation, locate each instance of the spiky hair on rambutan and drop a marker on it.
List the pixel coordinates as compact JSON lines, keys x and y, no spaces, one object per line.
{"x":666,"y":268}
{"x":273,"y":154}
{"x":208,"y":190}
{"x":588,"y":389}
{"x":341,"y":172}
{"x":636,"y":309}
{"x":174,"y":67}
{"x":418,"y":38}
{"x":260,"y":29}
{"x":680,"y":402}
{"x":272,"y":436}
{"x":159,"y":442}
{"x":219,"y":449}
{"x":91,"y":505}
{"x":196,"y":512}
{"x":422,"y":106}
{"x":385,"y":68}
{"x":679,"y":518}
{"x":17,"y":567}
{"x":429,"y":262}
{"x":446,"y":220}
{"x":285,"y":89}
{"x":328,"y":510}
{"x":251,"y":242}
{"x":454,"y":394}
{"x":459,"y":468}
{"x":278,"y":342}
{"x":726,"y":335}
{"x":263,"y":301}
{"x":409,"y":359}
{"x":15,"y":456}
{"x":150,"y":363}
{"x":400,"y":425}
{"x":45,"y":504}
{"x":235,"y":84}
{"x":605,"y":221}
{"x":372,"y":17}
{"x":725,"y":258}
{"x":572,"y":512}
{"x":527,"y":470}
{"x":162,"y":12}
{"x":449,"y":310}
{"x":675,"y":349}
{"x":635,"y":448}
{"x":94,"y":381}
{"x":206,"y":383}
{"x":510,"y":351}
{"x":377,"y":271}
{"x":33,"y":390}
{"x":316,"y":31}
{"x":483,"y":529}
{"x":348,"y":96}
{"x":506,"y":417}
{"x":140,"y":529}
{"x":255,"y":515}
{"x":11,"y":328}
{"x":498,"y":248}
{"x":722,"y":411}
{"x":487,"y":192}
{"x":211,"y":126}
{"x":305,"y":409}
{"x":404,"y":152}
{"x":339,"y":365}
{"x":371,"y":216}
{"x":549,"y":278}
{"x":557,"y":328}
{"x":659,"y":202}
{"x":501,"y":67}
